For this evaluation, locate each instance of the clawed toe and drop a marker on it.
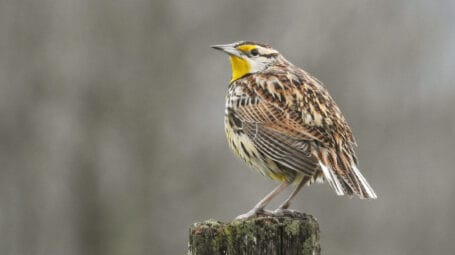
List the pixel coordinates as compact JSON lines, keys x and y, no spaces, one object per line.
{"x":254,"y":213}
{"x":261,"y":212}
{"x":285,"y":212}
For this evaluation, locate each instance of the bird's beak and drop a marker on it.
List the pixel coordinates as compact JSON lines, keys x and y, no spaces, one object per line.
{"x":228,"y":48}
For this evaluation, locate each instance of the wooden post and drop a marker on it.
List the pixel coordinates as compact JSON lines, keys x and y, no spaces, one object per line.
{"x":296,"y":235}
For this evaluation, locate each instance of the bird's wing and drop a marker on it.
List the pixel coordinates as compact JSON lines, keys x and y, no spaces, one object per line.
{"x":268,"y":116}
{"x":270,"y":129}
{"x":295,"y":107}
{"x":292,"y":117}
{"x":311,"y":111}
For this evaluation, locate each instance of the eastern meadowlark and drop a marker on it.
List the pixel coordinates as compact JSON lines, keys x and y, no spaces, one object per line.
{"x":282,"y":122}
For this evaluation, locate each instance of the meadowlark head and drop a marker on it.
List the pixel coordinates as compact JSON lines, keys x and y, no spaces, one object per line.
{"x":248,"y":57}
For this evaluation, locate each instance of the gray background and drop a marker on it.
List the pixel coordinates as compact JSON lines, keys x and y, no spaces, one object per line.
{"x":111,"y":121}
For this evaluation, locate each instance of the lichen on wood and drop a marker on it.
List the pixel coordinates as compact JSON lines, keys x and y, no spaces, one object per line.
{"x":296,"y":235}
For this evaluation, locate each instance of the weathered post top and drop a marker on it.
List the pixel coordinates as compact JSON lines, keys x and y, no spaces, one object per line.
{"x":297,"y":235}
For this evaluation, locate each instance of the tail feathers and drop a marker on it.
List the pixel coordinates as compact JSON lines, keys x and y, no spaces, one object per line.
{"x":344,"y":177}
{"x":332,"y":179}
{"x":367,"y":191}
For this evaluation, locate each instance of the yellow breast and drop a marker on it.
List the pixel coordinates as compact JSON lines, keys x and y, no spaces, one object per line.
{"x":239,"y":66}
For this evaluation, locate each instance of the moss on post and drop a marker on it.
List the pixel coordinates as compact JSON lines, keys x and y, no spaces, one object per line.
{"x":297,"y":235}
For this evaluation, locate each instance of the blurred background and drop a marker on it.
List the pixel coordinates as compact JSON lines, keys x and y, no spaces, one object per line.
{"x":111,"y":121}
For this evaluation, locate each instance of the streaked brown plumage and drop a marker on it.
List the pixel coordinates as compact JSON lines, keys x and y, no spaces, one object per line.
{"x":283,"y":122}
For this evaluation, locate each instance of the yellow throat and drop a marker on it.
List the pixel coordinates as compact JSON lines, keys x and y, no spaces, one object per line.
{"x":240,"y":67}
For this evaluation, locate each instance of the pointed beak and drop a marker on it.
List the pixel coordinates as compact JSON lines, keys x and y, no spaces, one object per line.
{"x":227,"y":48}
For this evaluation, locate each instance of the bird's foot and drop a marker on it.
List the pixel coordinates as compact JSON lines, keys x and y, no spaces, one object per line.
{"x":255,"y":212}
{"x":286,"y":212}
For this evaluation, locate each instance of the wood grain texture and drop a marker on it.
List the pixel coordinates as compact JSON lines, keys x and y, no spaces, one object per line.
{"x":296,"y":235}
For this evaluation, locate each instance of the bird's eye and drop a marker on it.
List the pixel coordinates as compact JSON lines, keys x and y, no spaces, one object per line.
{"x":254,"y":52}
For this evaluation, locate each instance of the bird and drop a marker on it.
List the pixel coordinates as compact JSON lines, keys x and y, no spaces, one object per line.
{"x":283,"y":122}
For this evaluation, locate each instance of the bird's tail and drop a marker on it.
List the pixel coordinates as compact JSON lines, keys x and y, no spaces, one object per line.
{"x":341,"y":172}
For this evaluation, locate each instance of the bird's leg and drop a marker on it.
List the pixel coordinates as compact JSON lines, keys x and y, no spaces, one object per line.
{"x":259,"y":208}
{"x":283,"y":208}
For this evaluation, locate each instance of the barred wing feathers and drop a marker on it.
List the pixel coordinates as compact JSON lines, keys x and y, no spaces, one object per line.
{"x":259,"y":122}
{"x":294,"y":121}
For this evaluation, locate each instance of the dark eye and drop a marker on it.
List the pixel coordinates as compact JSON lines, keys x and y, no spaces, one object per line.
{"x":254,"y":52}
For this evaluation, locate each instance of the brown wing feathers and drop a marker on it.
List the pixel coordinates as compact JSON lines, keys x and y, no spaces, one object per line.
{"x":294,"y":121}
